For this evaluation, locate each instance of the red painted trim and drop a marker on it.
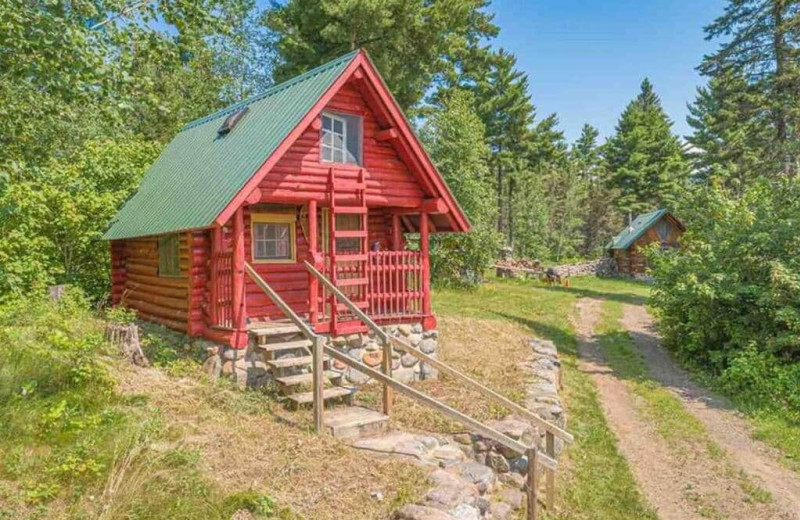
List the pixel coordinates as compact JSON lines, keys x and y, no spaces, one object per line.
{"x":313,"y":283}
{"x":254,"y":197}
{"x":426,"y":265}
{"x":289,"y":140}
{"x":389,"y":134}
{"x":237,"y":296}
{"x":431,"y":206}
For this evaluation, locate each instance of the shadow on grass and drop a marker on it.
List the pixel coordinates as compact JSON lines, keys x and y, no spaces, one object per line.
{"x":631,"y":298}
{"x":564,"y":339}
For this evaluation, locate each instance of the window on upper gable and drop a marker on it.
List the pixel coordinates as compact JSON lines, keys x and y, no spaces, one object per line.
{"x":341,"y":138}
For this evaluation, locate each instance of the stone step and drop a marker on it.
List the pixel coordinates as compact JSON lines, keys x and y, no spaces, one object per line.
{"x":284,"y":345}
{"x":328,"y":393}
{"x":355,"y":422}
{"x":306,"y":378}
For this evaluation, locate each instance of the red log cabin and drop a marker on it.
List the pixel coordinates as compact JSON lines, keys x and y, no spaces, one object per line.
{"x":323,"y":168}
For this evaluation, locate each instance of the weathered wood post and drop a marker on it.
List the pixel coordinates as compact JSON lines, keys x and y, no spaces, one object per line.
{"x":550,"y":450}
{"x":319,"y":402}
{"x":313,"y":283}
{"x":216,"y":249}
{"x":387,"y":369}
{"x":426,"y":265}
{"x":533,"y":482}
{"x":239,"y":339}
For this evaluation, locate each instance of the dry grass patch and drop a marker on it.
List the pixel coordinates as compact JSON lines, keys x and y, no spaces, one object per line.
{"x":489,"y":351}
{"x":247,"y":441}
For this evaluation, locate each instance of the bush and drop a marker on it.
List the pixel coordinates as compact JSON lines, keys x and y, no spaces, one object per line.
{"x":729,"y":300}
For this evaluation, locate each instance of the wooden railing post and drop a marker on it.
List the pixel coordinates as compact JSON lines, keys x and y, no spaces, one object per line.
{"x":424,"y":248}
{"x":533,"y":482}
{"x":550,"y":450}
{"x":313,"y":284}
{"x":319,"y":402}
{"x":238,"y":293}
{"x":387,"y":369}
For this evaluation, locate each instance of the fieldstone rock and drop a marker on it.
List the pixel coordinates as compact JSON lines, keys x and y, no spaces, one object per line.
{"x":234,"y":353}
{"x":449,"y":453}
{"x":481,"y":447}
{"x":405,"y":329}
{"x":373,"y":359}
{"x":463,"y":438}
{"x":339,"y":341}
{"x":431,"y":334}
{"x":395,"y":364}
{"x":228,"y":368}
{"x":477,"y":473}
{"x":520,"y":465}
{"x":338,"y":365}
{"x":356,"y":353}
{"x":415,"y":340}
{"x":428,"y":372}
{"x":427,"y":346}
{"x":497,"y":462}
{"x":397,"y":443}
{"x":416,"y":328}
{"x":449,"y":496}
{"x":213,"y":366}
{"x":372,"y":346}
{"x":501,"y":511}
{"x":404,"y":375}
{"x":514,"y":480}
{"x":465,"y":512}
{"x":353,"y":340}
{"x":512,"y":497}
{"x":408,"y":360}
{"x":356,"y":377}
{"x":418,"y":512}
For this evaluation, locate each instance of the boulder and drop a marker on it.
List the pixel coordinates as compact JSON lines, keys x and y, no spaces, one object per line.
{"x":427,"y":346}
{"x":477,"y":473}
{"x":497,"y":462}
{"x":418,"y":512}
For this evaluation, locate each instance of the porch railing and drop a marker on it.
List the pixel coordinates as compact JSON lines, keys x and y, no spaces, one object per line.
{"x":395,"y":284}
{"x":222,"y":289}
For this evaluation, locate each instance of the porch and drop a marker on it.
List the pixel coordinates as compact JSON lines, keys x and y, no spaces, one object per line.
{"x":390,"y":283}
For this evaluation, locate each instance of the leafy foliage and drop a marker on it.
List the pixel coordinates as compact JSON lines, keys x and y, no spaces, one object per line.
{"x":455,"y":139}
{"x":728,"y":300}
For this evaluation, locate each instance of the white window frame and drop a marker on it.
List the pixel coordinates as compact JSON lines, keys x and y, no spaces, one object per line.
{"x":332,"y":147}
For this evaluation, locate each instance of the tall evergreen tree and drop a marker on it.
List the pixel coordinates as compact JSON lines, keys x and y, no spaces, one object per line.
{"x":600,"y":216}
{"x":761,"y":43}
{"x":411,"y":41}
{"x":644,"y":158}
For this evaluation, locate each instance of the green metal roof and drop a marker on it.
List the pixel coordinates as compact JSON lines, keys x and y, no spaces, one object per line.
{"x":200,"y":172}
{"x":630,"y":234}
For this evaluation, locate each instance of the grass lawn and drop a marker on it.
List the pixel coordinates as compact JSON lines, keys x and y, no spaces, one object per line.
{"x":484,"y":332}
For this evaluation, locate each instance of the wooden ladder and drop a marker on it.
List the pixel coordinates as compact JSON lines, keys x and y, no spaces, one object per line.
{"x":348,"y":269}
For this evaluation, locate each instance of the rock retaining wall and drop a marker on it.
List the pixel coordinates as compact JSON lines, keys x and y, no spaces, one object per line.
{"x":248,"y":368}
{"x":601,"y":267}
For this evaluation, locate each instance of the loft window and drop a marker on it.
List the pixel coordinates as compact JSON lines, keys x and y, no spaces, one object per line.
{"x":341,"y":138}
{"x":273,"y":237}
{"x":169,"y":255}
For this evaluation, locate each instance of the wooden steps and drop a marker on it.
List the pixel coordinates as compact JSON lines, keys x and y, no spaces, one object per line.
{"x":287,"y":362}
{"x":329,"y":393}
{"x":355,"y":422}
{"x":306,"y":378}
{"x":285,"y":345}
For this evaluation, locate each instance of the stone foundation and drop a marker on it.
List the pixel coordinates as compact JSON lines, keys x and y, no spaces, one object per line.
{"x":368,"y":350}
{"x":247,"y":367}
{"x":604,"y":267}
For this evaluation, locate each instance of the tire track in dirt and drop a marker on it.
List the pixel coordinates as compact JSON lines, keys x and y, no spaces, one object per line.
{"x":688,"y":485}
{"x":725,"y":426}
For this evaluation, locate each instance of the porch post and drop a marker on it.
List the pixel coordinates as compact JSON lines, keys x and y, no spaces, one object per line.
{"x":239,"y":339}
{"x":426,"y":265}
{"x":216,"y":248}
{"x":313,"y":283}
{"x":397,"y":233}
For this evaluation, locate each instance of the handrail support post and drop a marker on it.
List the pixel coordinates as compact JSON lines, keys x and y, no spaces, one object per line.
{"x":533,"y":483}
{"x":387,"y":369}
{"x":319,"y":401}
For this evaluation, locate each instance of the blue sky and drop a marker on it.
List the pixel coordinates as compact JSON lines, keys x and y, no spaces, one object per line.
{"x":586,"y":58}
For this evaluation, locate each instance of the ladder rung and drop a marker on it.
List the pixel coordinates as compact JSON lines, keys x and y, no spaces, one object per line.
{"x":350,"y":210}
{"x":358,"y":233}
{"x":349,"y":185}
{"x":347,"y":282}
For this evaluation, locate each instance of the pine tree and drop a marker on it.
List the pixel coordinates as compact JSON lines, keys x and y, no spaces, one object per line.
{"x":731,"y":139}
{"x":600,"y":216}
{"x":644,"y":158}
{"x":412,"y":42}
{"x":761,"y":43}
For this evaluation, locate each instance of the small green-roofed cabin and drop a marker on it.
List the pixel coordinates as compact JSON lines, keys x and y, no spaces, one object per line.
{"x":323,"y":168}
{"x":626,"y":248}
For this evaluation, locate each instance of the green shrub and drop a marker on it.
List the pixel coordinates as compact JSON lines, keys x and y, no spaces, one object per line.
{"x":729,"y":300}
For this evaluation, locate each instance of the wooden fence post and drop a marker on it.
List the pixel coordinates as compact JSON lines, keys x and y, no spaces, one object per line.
{"x":533,"y":482}
{"x":319,"y":402}
{"x":550,"y":450}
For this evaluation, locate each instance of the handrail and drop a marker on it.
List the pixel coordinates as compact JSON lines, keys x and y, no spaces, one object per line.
{"x":486,"y":431}
{"x":406,"y":347}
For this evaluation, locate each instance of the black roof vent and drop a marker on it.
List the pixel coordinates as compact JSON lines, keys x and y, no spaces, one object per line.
{"x":232,"y":120}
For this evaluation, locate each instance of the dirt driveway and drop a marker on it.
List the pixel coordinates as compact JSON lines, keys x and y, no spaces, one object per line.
{"x":699,"y":481}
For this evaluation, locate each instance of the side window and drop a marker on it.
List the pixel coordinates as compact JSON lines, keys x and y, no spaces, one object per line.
{"x":341,"y":138}
{"x":273,"y":238}
{"x":169,"y":255}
